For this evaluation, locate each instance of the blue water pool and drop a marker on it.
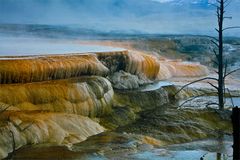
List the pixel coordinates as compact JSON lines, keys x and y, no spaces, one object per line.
{"x":10,"y":46}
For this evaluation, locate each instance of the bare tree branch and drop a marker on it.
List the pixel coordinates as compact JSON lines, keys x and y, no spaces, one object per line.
{"x":213,"y":4}
{"x":230,"y":97}
{"x":235,"y":70}
{"x":225,"y":68}
{"x":226,"y":5}
{"x":226,"y":1}
{"x":216,"y":71}
{"x":227,"y":28}
{"x":215,"y":62}
{"x":216,"y":55}
{"x":214,"y":38}
{"x":224,"y":93}
{"x":227,"y":17}
{"x":202,"y":79}
{"x":188,"y":100}
{"x":213,"y":85}
{"x":214,"y":43}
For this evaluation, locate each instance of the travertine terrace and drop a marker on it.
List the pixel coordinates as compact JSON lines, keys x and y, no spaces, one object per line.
{"x":62,"y":94}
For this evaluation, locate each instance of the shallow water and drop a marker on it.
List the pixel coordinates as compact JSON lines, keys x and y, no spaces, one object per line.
{"x":162,"y":154}
{"x":121,"y":146}
{"x":154,"y":86}
{"x":28,"y":46}
{"x":236,"y":101}
{"x":207,"y":149}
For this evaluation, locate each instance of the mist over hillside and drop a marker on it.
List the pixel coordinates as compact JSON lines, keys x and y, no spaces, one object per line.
{"x":144,"y":16}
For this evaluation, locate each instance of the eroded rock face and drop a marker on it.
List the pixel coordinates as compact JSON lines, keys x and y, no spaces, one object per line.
{"x":114,"y":61}
{"x":125,"y":80}
{"x":174,"y":125}
{"x":88,"y":96}
{"x":32,"y":86}
{"x":37,"y":69}
{"x":145,"y":100}
{"x":133,"y":62}
{"x":39,"y":127}
{"x":146,"y":67}
{"x":181,"y":69}
{"x":143,"y":64}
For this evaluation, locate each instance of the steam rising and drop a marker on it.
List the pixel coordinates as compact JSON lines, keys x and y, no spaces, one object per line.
{"x":148,"y":16}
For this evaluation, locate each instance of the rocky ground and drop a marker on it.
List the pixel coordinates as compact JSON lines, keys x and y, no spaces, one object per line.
{"x":135,"y":115}
{"x":140,"y":131}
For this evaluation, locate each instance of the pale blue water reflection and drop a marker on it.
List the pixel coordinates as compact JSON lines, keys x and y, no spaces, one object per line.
{"x":28,"y":46}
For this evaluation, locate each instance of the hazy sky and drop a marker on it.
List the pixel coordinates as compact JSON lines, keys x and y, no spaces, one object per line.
{"x":151,"y":16}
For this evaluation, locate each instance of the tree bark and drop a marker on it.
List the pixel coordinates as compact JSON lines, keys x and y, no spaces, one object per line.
{"x":220,"y":57}
{"x":236,"y":133}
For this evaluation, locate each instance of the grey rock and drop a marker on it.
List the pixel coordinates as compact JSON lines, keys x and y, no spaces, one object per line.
{"x":125,"y":80}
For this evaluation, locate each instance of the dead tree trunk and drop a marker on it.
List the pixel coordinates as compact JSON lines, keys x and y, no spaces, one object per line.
{"x":236,"y":133}
{"x":220,"y":56}
{"x":218,"y":51}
